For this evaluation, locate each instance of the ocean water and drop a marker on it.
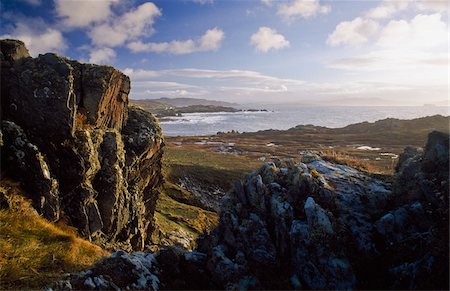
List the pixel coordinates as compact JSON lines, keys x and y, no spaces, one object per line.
{"x":285,"y":117}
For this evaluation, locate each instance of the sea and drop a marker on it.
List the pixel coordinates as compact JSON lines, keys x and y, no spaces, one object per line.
{"x":283,"y":117}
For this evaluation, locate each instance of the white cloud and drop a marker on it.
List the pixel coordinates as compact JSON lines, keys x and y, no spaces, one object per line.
{"x":423,"y":31}
{"x":82,"y":13}
{"x":250,"y":77}
{"x":253,"y":90}
{"x":441,"y":6}
{"x":387,"y":9}
{"x":301,"y":9}
{"x":140,"y":74}
{"x":355,"y":32}
{"x":391,"y":60}
{"x":161,"y":84}
{"x":37,"y":36}
{"x":412,"y":53}
{"x":210,"y":41}
{"x":266,"y":39}
{"x":102,"y":56}
{"x":221,"y":83}
{"x":128,"y":27}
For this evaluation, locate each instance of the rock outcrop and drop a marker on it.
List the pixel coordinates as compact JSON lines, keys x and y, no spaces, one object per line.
{"x":76,"y":146}
{"x":318,"y":225}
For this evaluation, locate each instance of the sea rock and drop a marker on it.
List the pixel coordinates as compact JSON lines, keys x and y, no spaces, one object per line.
{"x":105,"y":167}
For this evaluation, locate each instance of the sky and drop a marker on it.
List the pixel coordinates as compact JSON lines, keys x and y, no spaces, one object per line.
{"x":251,"y":51}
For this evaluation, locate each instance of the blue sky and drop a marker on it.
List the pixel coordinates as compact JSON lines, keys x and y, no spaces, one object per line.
{"x":304,"y":51}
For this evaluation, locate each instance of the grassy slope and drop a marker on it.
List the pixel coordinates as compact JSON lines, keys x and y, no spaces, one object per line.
{"x":179,"y":210}
{"x":206,"y":167}
{"x":35,"y":252}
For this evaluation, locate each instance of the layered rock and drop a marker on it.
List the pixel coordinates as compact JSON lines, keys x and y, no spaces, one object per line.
{"x":102,"y":168}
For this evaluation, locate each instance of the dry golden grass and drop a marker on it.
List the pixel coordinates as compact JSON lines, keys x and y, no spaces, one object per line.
{"x":345,"y":159}
{"x":35,"y":252}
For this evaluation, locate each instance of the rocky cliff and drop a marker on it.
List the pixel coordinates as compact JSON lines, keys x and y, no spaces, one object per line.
{"x":78,"y":149}
{"x":310,"y":225}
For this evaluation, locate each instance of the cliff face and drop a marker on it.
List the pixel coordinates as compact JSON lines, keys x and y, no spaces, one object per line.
{"x":71,"y":139}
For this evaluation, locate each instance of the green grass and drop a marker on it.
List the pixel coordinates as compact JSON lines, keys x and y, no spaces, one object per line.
{"x":178,"y":210}
{"x":174,"y":217}
{"x":191,"y":218}
{"x":35,"y":252}
{"x":206,"y":167}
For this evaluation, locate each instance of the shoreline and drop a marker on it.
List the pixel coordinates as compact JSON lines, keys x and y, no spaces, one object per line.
{"x":184,"y":122}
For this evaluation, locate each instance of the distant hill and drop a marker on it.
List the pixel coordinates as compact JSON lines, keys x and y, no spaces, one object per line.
{"x":382,"y":133}
{"x":164,"y":107}
{"x":435,"y":122}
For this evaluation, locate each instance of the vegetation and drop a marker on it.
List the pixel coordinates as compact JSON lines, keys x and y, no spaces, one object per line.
{"x":36,"y":252}
{"x":192,"y":219}
{"x":207,"y":168}
{"x":180,"y":211}
{"x":357,"y":163}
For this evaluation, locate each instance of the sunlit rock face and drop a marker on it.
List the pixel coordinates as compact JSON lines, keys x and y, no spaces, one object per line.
{"x":102,"y":158}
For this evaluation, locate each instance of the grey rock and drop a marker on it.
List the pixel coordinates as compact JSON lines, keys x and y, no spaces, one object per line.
{"x":120,"y":271}
{"x":317,"y":217}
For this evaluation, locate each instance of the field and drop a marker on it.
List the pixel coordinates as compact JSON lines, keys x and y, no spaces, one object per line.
{"x":373,"y":147}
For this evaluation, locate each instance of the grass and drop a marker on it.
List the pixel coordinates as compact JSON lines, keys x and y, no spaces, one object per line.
{"x":192,"y":218}
{"x":348,"y":160}
{"x":180,"y":211}
{"x":179,"y":219}
{"x":391,"y":136}
{"x":35,"y":252}
{"x":206,"y":167}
